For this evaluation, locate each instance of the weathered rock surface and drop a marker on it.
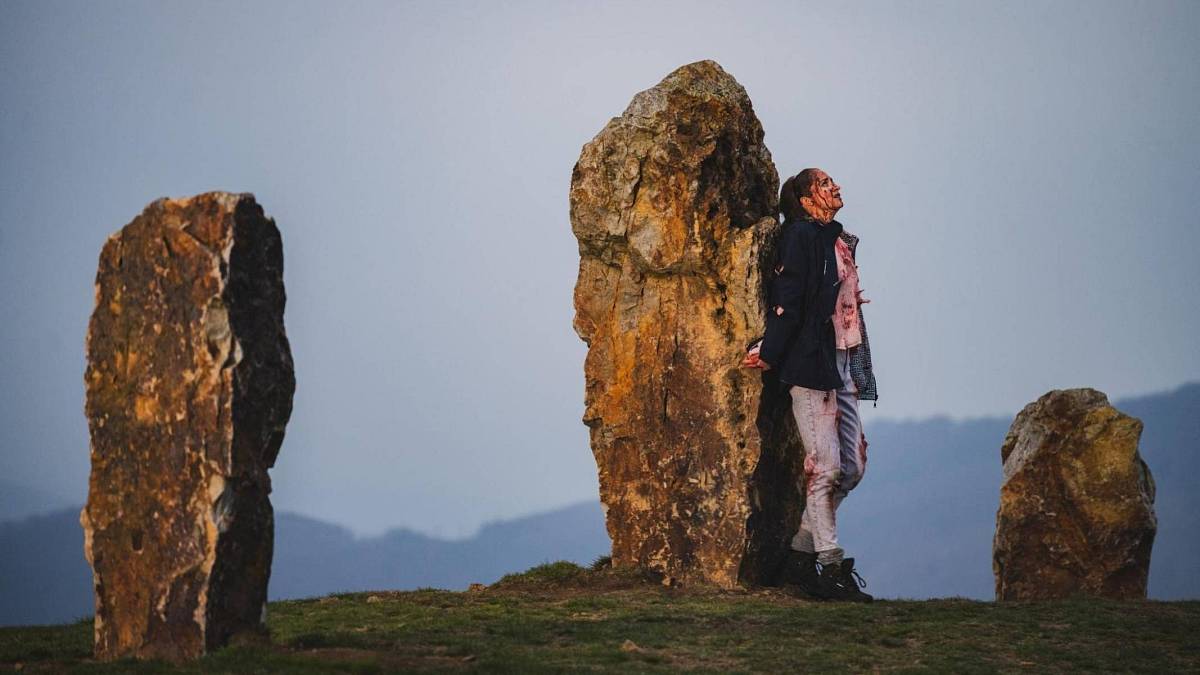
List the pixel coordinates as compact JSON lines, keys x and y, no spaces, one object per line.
{"x":673,"y":204}
{"x":189,"y":386}
{"x":1076,"y":510}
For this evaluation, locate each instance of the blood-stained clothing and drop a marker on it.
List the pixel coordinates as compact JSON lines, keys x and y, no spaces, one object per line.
{"x":847,"y":332}
{"x":835,"y":458}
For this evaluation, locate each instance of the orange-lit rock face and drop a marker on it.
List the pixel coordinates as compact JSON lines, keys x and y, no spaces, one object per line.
{"x":1076,"y":512}
{"x":189,"y":385}
{"x":673,"y":206}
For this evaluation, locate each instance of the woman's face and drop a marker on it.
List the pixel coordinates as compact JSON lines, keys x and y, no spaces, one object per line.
{"x":826,"y":194}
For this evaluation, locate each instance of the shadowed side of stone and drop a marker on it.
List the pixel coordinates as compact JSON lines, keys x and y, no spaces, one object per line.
{"x":776,"y":500}
{"x":1076,"y":512}
{"x":189,"y":387}
{"x":673,"y":204}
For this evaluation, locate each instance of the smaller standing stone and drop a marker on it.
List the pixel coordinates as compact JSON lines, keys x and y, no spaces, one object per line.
{"x":1076,"y":512}
{"x":189,"y":386}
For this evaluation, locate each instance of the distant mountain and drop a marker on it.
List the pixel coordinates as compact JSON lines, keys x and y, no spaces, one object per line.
{"x":44,"y":577}
{"x":315,"y":558}
{"x":920,"y":525}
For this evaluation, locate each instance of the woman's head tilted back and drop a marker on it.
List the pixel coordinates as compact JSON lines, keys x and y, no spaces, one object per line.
{"x":793,"y":189}
{"x":810,"y":193}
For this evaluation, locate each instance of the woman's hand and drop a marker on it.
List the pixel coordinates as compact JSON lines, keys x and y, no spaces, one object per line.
{"x":752,"y":360}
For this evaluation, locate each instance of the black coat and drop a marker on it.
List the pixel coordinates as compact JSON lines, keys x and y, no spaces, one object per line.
{"x":800,"y":343}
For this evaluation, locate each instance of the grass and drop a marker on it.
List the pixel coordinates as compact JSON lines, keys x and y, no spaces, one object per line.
{"x":550,"y":573}
{"x":561,"y":617}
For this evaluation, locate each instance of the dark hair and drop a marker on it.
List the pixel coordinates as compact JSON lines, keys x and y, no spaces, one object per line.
{"x":793,"y":189}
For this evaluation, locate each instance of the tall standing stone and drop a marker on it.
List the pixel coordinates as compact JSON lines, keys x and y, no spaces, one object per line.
{"x":673,"y":204}
{"x":189,"y":386}
{"x":1076,"y":512}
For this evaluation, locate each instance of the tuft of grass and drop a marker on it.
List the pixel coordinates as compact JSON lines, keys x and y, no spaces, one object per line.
{"x":547,"y":573}
{"x":602,"y":563}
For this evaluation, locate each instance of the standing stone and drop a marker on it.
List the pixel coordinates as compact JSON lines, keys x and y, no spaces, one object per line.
{"x":1076,"y":510}
{"x":189,"y":386}
{"x":673,"y":204}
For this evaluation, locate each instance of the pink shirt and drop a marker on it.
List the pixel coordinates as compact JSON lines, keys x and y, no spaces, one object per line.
{"x":845,"y":315}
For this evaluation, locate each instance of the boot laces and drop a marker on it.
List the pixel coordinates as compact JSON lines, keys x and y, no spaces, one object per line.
{"x":862,"y":583}
{"x":853,"y":575}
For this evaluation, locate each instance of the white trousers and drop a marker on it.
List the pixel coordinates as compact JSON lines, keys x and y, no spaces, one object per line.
{"x":835,"y":457}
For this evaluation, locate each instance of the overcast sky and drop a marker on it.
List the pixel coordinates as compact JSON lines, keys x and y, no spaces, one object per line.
{"x":1023,"y":176}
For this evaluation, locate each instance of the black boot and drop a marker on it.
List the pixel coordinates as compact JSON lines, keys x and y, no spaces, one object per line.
{"x":839,"y":581}
{"x":800,"y":573}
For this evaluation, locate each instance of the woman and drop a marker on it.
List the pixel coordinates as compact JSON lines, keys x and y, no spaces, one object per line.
{"x":816,"y":342}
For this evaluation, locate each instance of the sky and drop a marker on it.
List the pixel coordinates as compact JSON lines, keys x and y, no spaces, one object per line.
{"x":1022,"y":175}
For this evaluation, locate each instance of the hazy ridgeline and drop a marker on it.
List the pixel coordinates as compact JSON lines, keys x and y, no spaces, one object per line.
{"x":920,"y":525}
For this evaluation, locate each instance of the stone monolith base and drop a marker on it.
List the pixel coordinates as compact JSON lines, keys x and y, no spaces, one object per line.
{"x":673,"y":204}
{"x":189,"y":386}
{"x":1076,"y":510}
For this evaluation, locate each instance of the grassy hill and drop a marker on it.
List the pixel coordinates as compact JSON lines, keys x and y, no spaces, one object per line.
{"x":561,"y":617}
